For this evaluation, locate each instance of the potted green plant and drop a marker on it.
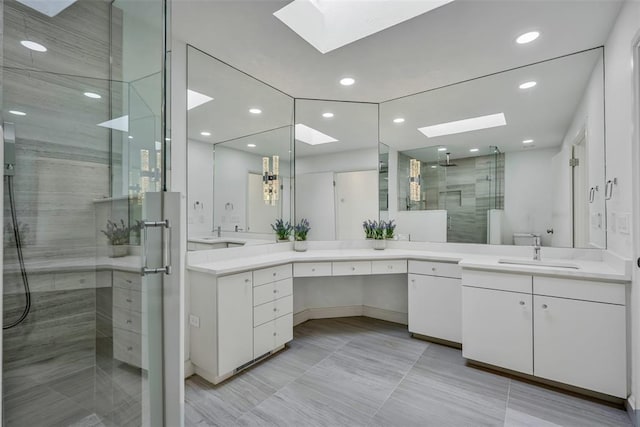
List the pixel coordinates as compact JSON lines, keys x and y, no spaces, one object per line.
{"x":118,"y":236}
{"x":390,"y":229}
{"x":369,"y":227}
{"x":379,"y":233}
{"x":283,"y":230}
{"x":300,"y":231}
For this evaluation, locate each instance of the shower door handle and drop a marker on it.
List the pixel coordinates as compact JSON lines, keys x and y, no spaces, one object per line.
{"x":166,"y":247}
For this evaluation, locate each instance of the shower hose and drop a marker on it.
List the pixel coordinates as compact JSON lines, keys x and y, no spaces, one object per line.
{"x":23,"y":270}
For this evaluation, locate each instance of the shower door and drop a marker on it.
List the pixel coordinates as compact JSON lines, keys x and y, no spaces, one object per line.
{"x":87,"y":278}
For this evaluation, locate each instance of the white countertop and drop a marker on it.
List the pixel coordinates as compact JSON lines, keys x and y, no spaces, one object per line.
{"x":587,"y":269}
{"x":212,"y":240}
{"x":131,"y":263}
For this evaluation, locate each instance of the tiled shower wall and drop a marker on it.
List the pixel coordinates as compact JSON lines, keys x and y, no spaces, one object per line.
{"x":62,"y":166}
{"x":466,"y":191}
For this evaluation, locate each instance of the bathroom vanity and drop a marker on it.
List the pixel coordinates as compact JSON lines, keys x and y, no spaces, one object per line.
{"x":505,"y":312}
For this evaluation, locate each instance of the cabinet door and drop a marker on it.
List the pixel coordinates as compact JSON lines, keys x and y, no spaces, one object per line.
{"x":581,"y":343}
{"x":497,"y":328}
{"x":435,"y":307}
{"x":235,"y":322}
{"x":284,"y":329}
{"x":264,"y":338}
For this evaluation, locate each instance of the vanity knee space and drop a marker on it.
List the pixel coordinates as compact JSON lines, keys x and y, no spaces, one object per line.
{"x":571,"y":331}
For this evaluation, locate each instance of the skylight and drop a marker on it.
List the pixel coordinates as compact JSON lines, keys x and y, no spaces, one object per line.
{"x":196,"y":99}
{"x":466,"y":125}
{"x":312,"y":136}
{"x":49,"y":7}
{"x":119,"y":123}
{"x":330,"y":24}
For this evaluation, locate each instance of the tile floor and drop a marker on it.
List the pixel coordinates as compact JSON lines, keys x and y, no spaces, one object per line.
{"x":358,"y":371}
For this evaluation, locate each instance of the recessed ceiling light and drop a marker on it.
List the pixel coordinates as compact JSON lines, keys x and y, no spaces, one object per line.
{"x":347,"y":81}
{"x":466,"y":125}
{"x":33,"y":46}
{"x":528,"y":85}
{"x":473,"y":150}
{"x":196,"y":99}
{"x":18,"y":113}
{"x":527,"y":141}
{"x":255,"y":110}
{"x":327,"y":115}
{"x":398,"y":120}
{"x":251,"y":145}
{"x":527,"y":37}
{"x":92,"y":95}
{"x":205,"y":133}
{"x":442,"y":149}
{"x":311,"y":136}
{"x":433,"y":166}
{"x":130,"y":137}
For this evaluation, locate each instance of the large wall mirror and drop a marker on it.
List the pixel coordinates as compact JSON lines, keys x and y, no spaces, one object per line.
{"x":336,"y":168}
{"x":504,"y":159}
{"x":240,"y":159}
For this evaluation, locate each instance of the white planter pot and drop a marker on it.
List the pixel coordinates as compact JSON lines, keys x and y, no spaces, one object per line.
{"x":379,"y":244}
{"x":117,"y":251}
{"x":300,"y":245}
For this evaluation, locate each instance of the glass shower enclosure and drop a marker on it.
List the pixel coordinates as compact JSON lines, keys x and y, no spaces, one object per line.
{"x":83,"y":112}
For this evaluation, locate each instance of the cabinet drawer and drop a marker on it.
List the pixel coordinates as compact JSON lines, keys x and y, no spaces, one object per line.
{"x":273,"y":274}
{"x":128,"y":299}
{"x":612,"y":293}
{"x":239,"y":279}
{"x":125,"y":280}
{"x":311,"y":269}
{"x":389,"y":267}
{"x":128,"y":320}
{"x":129,"y":347}
{"x":442,"y":269}
{"x":351,"y":268}
{"x":500,"y":281}
{"x":272,"y":335}
{"x":272,"y":291}
{"x":271,"y":310}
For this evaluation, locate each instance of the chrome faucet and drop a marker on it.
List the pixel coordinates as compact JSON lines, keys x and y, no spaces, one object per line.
{"x":238,"y":229}
{"x":536,"y":248}
{"x":219,"y":231}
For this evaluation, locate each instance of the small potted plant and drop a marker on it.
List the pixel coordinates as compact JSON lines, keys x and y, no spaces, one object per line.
{"x":390,"y":229}
{"x":118,"y":235}
{"x":379,"y":233}
{"x":283,"y":230}
{"x":369,"y":227}
{"x":300,"y":231}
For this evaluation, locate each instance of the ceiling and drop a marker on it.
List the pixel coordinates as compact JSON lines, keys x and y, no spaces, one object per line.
{"x":456,"y":42}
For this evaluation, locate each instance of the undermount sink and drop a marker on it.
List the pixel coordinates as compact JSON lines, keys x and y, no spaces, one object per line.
{"x":538,"y":263}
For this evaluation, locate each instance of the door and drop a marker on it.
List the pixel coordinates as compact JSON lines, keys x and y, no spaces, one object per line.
{"x":561,"y":211}
{"x":497,"y":328}
{"x":356,"y":201}
{"x":581,"y":343}
{"x":580,"y":193}
{"x":435,"y":307}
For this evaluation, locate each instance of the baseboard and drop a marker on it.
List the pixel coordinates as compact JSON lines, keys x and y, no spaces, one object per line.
{"x":188,"y":368}
{"x":631,"y":410}
{"x":383,"y":314}
{"x":349,"y":311}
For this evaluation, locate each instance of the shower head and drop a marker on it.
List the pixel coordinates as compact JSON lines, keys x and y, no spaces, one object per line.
{"x":448,"y":163}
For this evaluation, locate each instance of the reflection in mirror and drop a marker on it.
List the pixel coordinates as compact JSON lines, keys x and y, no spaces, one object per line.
{"x":239,"y":155}
{"x":336,"y":148}
{"x":505,"y":159}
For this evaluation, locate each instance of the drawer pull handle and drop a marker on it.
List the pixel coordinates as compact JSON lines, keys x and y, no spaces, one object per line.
{"x":313,"y":269}
{"x":545,"y":306}
{"x":274,"y":274}
{"x":433,"y":269}
{"x":128,"y":321}
{"x":275,"y":291}
{"x":129,"y":348}
{"x":353,"y":269}
{"x":129,"y":281}
{"x":274,"y":334}
{"x":390,"y":267}
{"x":275,"y":309}
{"x":246,"y":280}
{"x":521,"y":302}
{"x":128,"y":299}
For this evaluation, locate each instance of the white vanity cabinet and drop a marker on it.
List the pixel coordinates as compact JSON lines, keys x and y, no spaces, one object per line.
{"x":129,"y":319}
{"x":238,"y":318}
{"x":434,"y":300}
{"x":566,"y":330}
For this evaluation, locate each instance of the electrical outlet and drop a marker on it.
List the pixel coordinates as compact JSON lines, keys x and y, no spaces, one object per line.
{"x":194,"y":321}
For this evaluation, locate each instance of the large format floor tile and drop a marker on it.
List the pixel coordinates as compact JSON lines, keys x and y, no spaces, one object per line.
{"x":358,"y":371}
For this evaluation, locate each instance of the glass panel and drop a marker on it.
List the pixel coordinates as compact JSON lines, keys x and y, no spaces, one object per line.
{"x":89,"y":350}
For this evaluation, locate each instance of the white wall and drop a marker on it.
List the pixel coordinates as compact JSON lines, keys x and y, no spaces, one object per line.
{"x":528,"y":199}
{"x":621,"y":116}
{"x":589,"y":117}
{"x":200,"y":183}
{"x":344,"y":161}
